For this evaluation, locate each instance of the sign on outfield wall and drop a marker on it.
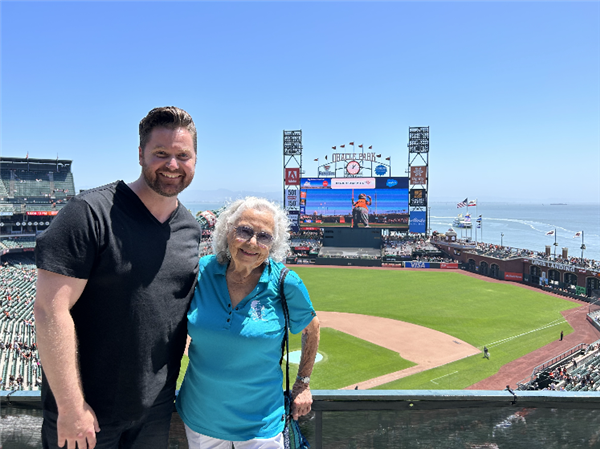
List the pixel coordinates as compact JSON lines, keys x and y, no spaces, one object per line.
{"x":448,"y":265}
{"x":416,"y":264}
{"x":513,"y":276}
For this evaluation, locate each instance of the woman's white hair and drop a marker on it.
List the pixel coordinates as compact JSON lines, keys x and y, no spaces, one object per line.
{"x":230,"y":217}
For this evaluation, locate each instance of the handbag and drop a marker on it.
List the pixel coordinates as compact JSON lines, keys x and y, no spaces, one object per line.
{"x":292,"y":435}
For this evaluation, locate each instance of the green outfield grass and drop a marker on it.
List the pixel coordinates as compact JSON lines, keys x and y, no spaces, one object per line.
{"x":510,"y":320}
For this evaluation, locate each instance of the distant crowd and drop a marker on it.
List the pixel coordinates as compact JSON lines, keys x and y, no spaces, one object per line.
{"x":507,"y":252}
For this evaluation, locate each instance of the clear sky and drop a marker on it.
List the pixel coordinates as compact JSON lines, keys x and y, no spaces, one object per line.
{"x":510,"y":90}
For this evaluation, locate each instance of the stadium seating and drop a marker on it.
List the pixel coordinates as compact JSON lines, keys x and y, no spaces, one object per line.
{"x":18,"y":352}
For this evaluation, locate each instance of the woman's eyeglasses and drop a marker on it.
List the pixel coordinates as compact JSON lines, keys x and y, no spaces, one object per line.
{"x":246,"y":233}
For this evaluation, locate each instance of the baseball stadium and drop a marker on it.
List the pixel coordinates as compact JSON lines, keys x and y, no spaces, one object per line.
{"x":428,"y":340}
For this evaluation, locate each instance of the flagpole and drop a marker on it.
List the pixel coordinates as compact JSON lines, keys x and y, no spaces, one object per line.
{"x":555,"y":243}
{"x":582,"y":246}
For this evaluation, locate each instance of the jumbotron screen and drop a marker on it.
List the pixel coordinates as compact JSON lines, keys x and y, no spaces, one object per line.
{"x":330,"y":202}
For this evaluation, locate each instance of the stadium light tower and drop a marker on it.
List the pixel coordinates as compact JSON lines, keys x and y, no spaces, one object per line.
{"x":292,"y":172}
{"x":418,"y":172}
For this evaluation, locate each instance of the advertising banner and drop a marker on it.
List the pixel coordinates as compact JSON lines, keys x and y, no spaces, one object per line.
{"x":6,"y":214}
{"x":292,"y":176}
{"x":418,"y":197}
{"x":418,"y":175}
{"x":292,"y":197}
{"x":43,"y":212}
{"x":580,"y":290}
{"x":417,"y":223}
{"x":294,"y":217}
{"x":302,"y":248}
{"x":513,"y":276}
{"x":445,"y":265}
{"x":353,"y":183}
{"x":415,"y":264}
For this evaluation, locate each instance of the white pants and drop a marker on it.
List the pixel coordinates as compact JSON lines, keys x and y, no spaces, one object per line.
{"x":198,"y":441}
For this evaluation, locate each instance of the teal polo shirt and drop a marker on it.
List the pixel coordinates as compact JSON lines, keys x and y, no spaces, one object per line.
{"x":233,"y":385}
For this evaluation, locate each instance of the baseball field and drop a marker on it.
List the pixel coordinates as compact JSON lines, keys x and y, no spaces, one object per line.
{"x":411,"y":329}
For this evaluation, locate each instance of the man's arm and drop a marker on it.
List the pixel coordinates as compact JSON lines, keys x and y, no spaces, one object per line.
{"x":57,"y":346}
{"x":302,"y":397}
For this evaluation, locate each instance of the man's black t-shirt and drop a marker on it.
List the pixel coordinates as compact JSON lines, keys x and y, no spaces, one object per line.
{"x":131,"y":317}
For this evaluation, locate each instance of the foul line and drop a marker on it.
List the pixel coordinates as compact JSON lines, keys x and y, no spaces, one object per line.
{"x":506,"y":340}
{"x":449,"y":374}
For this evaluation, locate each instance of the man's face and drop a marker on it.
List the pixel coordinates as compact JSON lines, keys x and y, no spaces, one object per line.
{"x":168,"y":161}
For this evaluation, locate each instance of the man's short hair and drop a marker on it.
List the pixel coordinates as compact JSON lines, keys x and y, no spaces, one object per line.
{"x":169,"y":117}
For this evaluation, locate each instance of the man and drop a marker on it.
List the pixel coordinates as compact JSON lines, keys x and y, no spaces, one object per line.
{"x":116,"y":272}
{"x":360,"y":211}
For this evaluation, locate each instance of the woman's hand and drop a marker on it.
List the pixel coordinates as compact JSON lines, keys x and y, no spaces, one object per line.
{"x":301,"y":400}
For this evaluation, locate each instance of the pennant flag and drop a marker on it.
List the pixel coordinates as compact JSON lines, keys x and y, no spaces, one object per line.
{"x":479,"y":219}
{"x":333,"y":148}
{"x":360,"y":146}
{"x":317,"y":160}
{"x":388,"y":158}
{"x":342,"y":146}
{"x":378,"y":155}
{"x":478,"y":225}
{"x":578,"y":234}
{"x":550,"y":232}
{"x":472,"y":203}
{"x":27,"y":157}
{"x":468,"y":218}
{"x":325,"y":157}
{"x":371,"y":147}
{"x":351,"y":143}
{"x":463,"y":203}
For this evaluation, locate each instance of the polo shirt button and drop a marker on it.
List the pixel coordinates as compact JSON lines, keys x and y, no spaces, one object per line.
{"x":228,"y":305}
{"x":229,"y":313}
{"x":228,"y":320}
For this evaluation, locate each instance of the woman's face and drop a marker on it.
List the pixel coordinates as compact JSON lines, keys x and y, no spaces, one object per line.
{"x":246,"y":252}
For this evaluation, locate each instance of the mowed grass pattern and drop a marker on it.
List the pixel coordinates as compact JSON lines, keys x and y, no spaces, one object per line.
{"x":510,"y":320}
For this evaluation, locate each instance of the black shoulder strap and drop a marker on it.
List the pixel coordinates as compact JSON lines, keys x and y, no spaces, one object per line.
{"x":285,"y":344}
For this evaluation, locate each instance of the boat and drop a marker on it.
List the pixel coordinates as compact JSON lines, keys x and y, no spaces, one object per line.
{"x":462,"y":222}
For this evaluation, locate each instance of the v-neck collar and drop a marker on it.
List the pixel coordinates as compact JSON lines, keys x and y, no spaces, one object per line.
{"x":140,"y":204}
{"x":264,"y":277}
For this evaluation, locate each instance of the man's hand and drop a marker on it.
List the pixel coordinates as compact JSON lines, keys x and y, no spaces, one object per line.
{"x":77,"y":428}
{"x":301,"y":400}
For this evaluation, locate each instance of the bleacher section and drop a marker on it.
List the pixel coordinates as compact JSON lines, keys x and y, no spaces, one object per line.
{"x":577,"y":371}
{"x":3,"y":190}
{"x":19,"y":361}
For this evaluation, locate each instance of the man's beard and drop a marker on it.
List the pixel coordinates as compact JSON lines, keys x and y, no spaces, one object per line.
{"x":162,"y":186}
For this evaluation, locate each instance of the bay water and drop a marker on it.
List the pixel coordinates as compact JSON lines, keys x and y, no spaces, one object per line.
{"x":512,"y":224}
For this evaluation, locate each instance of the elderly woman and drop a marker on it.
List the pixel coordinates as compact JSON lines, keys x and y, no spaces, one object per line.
{"x":232,"y":391}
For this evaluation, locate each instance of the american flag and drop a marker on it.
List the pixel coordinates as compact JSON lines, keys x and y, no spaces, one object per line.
{"x":463,"y":203}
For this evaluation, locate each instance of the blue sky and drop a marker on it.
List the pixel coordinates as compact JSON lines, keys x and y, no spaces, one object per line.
{"x":510,"y":90}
